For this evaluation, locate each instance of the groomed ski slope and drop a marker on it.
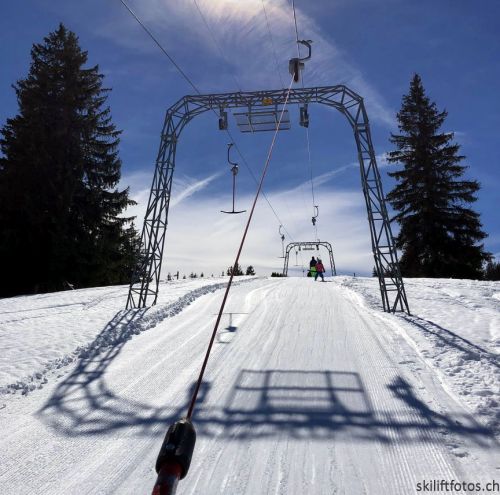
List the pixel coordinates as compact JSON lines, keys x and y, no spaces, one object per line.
{"x":309,"y":390}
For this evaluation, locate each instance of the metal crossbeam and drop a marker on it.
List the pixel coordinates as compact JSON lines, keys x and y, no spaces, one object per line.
{"x":145,"y":282}
{"x":265,"y":120}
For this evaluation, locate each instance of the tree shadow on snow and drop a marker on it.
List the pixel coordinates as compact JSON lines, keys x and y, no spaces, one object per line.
{"x":470,"y":350}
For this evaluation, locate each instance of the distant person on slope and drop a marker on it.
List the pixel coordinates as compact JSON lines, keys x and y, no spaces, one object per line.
{"x":320,"y":269}
{"x":312,"y":267}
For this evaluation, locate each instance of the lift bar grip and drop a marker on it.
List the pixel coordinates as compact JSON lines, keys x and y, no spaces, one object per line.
{"x":295,"y":65}
{"x":175,"y":456}
{"x":229,"y":146}
{"x":281,"y":233}
{"x":308,"y":44}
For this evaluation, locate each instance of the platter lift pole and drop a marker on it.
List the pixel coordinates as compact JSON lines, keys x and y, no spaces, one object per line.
{"x":315,"y":216}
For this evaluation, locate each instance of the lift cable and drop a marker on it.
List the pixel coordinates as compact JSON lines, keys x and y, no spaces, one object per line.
{"x":315,"y":207}
{"x":228,"y":132}
{"x":217,"y":44}
{"x":292,"y":4}
{"x":296,"y":33}
{"x":235,"y":265}
{"x":184,"y":75}
{"x":272,"y":44}
{"x":159,"y":46}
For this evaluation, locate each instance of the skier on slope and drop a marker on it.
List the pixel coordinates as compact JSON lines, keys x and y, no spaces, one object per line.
{"x":312,"y":267}
{"x":320,"y":269}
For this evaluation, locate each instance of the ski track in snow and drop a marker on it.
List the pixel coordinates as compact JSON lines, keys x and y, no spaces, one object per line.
{"x":121,"y":328}
{"x":310,"y":389}
{"x":455,"y":328}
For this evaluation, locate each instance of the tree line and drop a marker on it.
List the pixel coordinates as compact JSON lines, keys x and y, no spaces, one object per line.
{"x":238,"y":272}
{"x":61,"y":211}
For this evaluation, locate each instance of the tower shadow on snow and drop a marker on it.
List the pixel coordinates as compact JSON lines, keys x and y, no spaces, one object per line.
{"x":83,"y":404}
{"x":324,"y":405}
{"x":320,"y":405}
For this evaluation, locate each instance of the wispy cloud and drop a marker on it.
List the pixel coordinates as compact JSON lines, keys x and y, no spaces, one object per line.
{"x":140,"y":185}
{"x":207,"y":240}
{"x":324,"y":179}
{"x":241,"y":32}
{"x":186,"y":187}
{"x":200,"y":238}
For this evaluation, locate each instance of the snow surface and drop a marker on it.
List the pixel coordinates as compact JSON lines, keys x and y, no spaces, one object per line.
{"x":311,"y":388}
{"x":455,"y":328}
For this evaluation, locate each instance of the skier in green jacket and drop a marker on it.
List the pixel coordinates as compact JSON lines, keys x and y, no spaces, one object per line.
{"x":312,"y":267}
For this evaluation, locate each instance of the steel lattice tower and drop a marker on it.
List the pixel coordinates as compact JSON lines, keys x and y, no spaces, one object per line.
{"x":145,"y":282}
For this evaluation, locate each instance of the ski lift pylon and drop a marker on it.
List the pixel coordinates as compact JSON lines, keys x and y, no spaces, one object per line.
{"x":234,"y":171}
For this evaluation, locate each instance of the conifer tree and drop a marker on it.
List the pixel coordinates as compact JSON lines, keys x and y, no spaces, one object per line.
{"x":439,"y":235}
{"x":59,"y":209}
{"x":250,"y":270}
{"x":492,"y":270}
{"x":238,"y":270}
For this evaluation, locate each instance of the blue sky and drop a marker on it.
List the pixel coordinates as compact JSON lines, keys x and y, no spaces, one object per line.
{"x":373,"y":46}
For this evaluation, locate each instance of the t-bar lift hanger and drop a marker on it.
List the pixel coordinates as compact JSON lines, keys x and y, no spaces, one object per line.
{"x":282,"y":242}
{"x":316,"y":211}
{"x":234,"y":171}
{"x":296,"y":65}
